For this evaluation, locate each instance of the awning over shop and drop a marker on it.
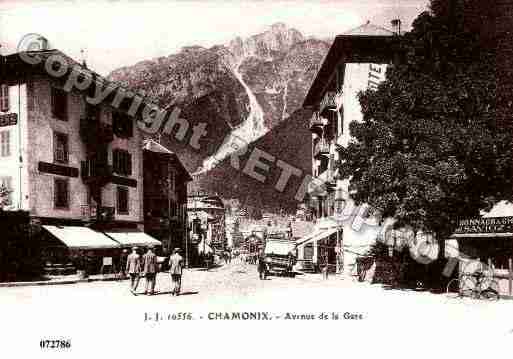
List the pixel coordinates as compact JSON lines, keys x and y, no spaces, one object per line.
{"x":133,"y":238}
{"x":317,"y":236}
{"x":204,"y":248}
{"x":75,"y":237}
{"x":204,"y":216}
{"x":481,"y":235}
{"x":452,"y":249}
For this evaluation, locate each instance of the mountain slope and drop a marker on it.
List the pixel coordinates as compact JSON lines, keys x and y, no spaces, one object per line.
{"x":245,"y":90}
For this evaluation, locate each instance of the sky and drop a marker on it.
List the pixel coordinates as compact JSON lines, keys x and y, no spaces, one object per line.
{"x":115,"y":33}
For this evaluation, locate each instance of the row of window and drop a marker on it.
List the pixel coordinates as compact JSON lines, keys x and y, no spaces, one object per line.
{"x":122,"y":124}
{"x":5,"y":143}
{"x":121,"y":159}
{"x":62,"y":199}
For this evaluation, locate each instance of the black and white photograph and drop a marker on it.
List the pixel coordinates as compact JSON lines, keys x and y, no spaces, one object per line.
{"x":256,"y":178}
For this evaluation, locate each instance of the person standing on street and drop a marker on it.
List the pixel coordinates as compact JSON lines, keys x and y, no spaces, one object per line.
{"x":175,"y":269}
{"x":150,"y":270}
{"x":133,"y":268}
{"x":262,"y":266}
{"x":122,"y":263}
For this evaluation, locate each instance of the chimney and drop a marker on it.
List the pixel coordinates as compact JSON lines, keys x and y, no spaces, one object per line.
{"x":396,"y":26}
{"x":83,"y":59}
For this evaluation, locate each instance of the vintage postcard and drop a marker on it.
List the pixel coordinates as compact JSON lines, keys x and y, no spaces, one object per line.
{"x":256,"y":178}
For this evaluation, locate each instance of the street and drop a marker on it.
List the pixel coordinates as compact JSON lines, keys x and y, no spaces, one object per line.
{"x":105,"y":311}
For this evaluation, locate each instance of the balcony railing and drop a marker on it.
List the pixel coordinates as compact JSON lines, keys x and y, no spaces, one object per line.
{"x":317,"y":123}
{"x":321,"y":148}
{"x":328,"y":102}
{"x":93,"y":170}
{"x":331,"y":181}
{"x":85,"y":212}
{"x":90,"y":213}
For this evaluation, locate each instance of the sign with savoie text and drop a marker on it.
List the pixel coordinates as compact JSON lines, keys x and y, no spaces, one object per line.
{"x":485,"y":225}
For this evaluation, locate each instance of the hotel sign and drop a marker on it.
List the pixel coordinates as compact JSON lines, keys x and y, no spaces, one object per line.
{"x":485,"y":225}
{"x":10,"y":119}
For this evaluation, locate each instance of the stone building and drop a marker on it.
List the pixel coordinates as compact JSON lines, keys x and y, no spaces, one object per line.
{"x":75,"y":166}
{"x":165,"y":196}
{"x":356,"y":61}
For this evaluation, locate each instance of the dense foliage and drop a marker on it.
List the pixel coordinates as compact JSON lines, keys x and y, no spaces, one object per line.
{"x":4,"y":196}
{"x":429,"y":150}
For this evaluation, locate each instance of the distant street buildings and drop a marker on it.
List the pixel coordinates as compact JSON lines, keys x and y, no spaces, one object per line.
{"x":207,"y":229}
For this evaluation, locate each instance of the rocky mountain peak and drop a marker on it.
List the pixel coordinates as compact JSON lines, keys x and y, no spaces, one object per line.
{"x":249,"y":89}
{"x":272,"y":43}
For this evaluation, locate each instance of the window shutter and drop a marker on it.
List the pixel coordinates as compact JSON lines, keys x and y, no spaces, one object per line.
{"x":115,"y":160}
{"x":122,"y":167}
{"x":4,"y":98}
{"x":56,"y":193}
{"x":5,"y":143}
{"x":54,"y":102}
{"x":130,"y":127}
{"x":55,"y":148}
{"x":129,"y":164}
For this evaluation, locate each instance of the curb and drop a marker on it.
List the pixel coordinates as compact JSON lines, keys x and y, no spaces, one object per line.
{"x":57,"y":282}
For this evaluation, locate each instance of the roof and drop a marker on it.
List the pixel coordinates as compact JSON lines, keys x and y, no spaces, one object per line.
{"x":365,"y":44}
{"x":501,"y":209}
{"x":155,"y":147}
{"x":14,"y":67}
{"x":301,"y":228}
{"x":369,"y":29}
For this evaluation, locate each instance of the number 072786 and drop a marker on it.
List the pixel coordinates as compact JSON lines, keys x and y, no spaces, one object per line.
{"x":55,"y":343}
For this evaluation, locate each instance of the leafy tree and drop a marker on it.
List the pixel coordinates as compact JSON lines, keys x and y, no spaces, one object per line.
{"x":4,"y":196}
{"x":428,"y":149}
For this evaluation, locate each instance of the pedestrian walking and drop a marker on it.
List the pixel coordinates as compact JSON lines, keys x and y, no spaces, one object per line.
{"x":150,"y":271}
{"x":175,"y":270}
{"x":133,"y":268}
{"x":325,"y":267}
{"x":262,"y":266}
{"x":122,"y":263}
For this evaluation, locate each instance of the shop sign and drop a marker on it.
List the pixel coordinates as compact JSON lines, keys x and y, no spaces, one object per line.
{"x":10,"y":119}
{"x":485,"y":225}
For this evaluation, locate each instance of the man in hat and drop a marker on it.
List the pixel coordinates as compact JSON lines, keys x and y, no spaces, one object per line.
{"x":175,"y":269}
{"x":133,"y":268}
{"x":122,"y":263}
{"x":150,"y":270}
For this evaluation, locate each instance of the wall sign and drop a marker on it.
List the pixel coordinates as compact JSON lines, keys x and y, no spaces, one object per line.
{"x":485,"y":225}
{"x":10,"y":119}
{"x":55,"y":169}
{"x":122,"y":181}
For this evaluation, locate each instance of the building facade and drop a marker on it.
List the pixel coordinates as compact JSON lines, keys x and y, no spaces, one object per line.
{"x":207,"y":218}
{"x":356,"y":61}
{"x":76,"y":168}
{"x":165,"y":196}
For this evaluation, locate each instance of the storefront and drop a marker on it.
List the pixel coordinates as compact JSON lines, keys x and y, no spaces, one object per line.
{"x":321,"y":247}
{"x":67,"y":249}
{"x":484,"y":242}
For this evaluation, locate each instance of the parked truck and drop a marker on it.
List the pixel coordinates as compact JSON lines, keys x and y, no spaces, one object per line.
{"x":279,"y":254}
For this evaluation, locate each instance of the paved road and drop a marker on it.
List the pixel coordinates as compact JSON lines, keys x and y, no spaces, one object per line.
{"x":107,"y":312}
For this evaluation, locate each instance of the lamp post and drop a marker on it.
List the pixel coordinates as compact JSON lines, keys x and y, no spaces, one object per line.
{"x":186,"y":233}
{"x":169,"y":206}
